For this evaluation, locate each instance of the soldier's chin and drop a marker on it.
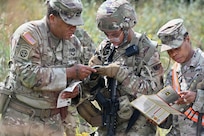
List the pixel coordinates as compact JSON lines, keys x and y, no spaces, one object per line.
{"x":180,"y":60}
{"x":69,"y":36}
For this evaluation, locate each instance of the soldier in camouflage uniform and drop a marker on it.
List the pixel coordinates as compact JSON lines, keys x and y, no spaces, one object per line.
{"x":45,"y":59}
{"x":184,"y":76}
{"x":135,"y":64}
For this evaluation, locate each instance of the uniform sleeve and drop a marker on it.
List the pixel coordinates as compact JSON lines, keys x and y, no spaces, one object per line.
{"x":198,"y":104}
{"x":148,"y":81}
{"x":26,"y":55}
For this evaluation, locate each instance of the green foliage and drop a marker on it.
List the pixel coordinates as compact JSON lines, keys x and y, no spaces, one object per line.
{"x":151,"y":16}
{"x":4,"y":49}
{"x":89,"y":16}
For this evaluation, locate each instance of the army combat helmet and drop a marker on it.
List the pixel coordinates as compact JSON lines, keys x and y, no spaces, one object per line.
{"x":69,"y":10}
{"x":115,"y":15}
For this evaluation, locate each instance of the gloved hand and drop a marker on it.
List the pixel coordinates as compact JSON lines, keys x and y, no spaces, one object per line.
{"x":111,"y":70}
{"x":95,"y":61}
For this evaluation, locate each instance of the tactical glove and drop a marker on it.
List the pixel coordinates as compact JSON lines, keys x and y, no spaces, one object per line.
{"x":113,"y":70}
{"x":95,"y":61}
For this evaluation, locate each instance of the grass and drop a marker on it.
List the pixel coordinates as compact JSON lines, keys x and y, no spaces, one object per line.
{"x":151,"y":16}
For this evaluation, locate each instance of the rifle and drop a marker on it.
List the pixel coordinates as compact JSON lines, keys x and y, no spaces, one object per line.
{"x":110,"y":106}
{"x":111,"y":112}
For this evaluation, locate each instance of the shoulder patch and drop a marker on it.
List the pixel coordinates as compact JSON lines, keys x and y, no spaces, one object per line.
{"x":23,"y":52}
{"x":29,"y":38}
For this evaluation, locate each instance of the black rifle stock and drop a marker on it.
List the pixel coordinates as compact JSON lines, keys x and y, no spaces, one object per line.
{"x":109,"y":106}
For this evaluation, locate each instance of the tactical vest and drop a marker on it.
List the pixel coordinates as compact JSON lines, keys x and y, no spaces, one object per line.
{"x":146,"y":50}
{"x":134,"y":63}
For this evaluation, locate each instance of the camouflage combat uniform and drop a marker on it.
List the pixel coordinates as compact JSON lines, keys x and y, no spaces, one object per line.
{"x":37,"y":76}
{"x":190,"y":73}
{"x":140,"y":73}
{"x":135,"y":84}
{"x":187,"y":73}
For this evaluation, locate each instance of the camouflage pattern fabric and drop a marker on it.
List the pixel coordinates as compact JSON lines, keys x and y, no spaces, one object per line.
{"x":118,"y":11}
{"x":19,"y":124}
{"x":88,"y":46}
{"x":38,"y":75}
{"x":69,"y":11}
{"x":38,"y":71}
{"x":172,"y":37}
{"x":187,"y":74}
{"x":138,"y":73}
{"x":190,"y":72}
{"x":134,"y":85}
{"x":74,"y":122}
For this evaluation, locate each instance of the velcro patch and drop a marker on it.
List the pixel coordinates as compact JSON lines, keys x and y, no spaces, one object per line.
{"x":29,"y":38}
{"x":24,"y":52}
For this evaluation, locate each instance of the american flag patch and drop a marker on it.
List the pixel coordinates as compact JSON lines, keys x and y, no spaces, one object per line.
{"x":29,"y":38}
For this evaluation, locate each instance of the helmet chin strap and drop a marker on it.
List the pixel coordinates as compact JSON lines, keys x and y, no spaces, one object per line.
{"x":125,"y":39}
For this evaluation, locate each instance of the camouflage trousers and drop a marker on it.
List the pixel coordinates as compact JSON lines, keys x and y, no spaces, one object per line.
{"x":14,"y":123}
{"x":140,"y":128}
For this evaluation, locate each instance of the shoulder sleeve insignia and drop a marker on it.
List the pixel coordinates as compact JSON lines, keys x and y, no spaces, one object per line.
{"x":23,"y":52}
{"x":29,"y":38}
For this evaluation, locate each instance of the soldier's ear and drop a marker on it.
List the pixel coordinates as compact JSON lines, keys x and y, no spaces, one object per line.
{"x":53,"y":18}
